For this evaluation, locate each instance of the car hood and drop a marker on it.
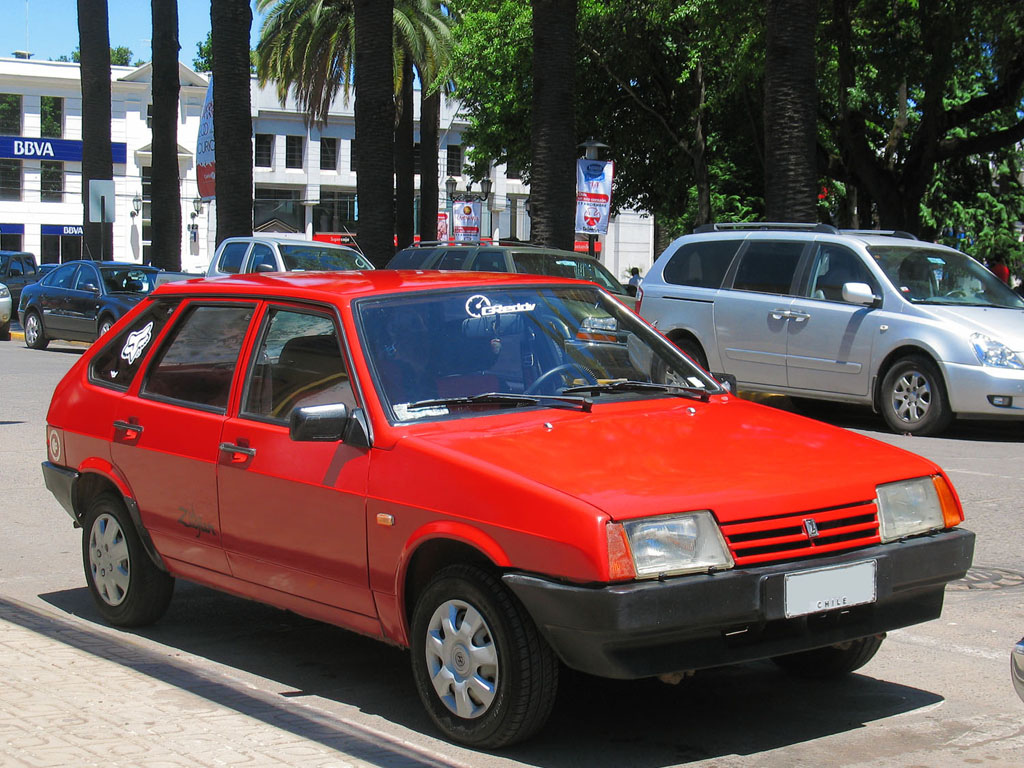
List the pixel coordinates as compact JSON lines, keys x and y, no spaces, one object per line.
{"x":1000,"y":323}
{"x":737,"y":458}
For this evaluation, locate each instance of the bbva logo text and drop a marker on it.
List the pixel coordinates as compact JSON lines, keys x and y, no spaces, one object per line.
{"x":24,"y":148}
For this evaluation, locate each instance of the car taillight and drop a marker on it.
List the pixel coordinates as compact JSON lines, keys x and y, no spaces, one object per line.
{"x":639,"y":298}
{"x":55,"y":445}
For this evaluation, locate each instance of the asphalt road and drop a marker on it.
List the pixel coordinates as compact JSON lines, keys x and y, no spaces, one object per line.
{"x":936,"y":695}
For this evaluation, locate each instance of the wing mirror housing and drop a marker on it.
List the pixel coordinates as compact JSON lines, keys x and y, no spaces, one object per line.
{"x":860,"y":293}
{"x":329,"y":424}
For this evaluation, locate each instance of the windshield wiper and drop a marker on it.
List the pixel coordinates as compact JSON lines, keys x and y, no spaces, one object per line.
{"x":505,"y":398}
{"x":628,"y":385}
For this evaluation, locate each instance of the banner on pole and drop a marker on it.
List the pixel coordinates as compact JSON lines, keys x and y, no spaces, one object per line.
{"x":593,"y":195}
{"x":442,"y":225}
{"x":206,"y":159}
{"x":467,"y":221}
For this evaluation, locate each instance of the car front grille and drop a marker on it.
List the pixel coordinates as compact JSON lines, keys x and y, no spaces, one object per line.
{"x":804,"y":534}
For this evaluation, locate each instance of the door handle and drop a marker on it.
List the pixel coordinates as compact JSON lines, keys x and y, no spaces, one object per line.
{"x":779,"y":314}
{"x":237,"y":454}
{"x":130,"y":431}
{"x":799,"y":317}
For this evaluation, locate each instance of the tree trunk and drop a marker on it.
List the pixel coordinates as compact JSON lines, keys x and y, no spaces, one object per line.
{"x":701,"y":177}
{"x":230,"y":21}
{"x":790,"y":111}
{"x":553,"y":169}
{"x":166,"y":187}
{"x":375,"y":126}
{"x":405,"y":182}
{"x":430,"y":120}
{"x":97,"y":160}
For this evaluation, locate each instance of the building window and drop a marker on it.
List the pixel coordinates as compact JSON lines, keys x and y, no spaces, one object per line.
{"x":293,"y":151}
{"x":416,"y":158}
{"x":512,"y":171}
{"x":336,"y":212}
{"x":10,"y":179}
{"x":10,"y":241}
{"x":147,"y":213}
{"x":10,"y":114}
{"x":51,"y":189}
{"x":454,"y":159}
{"x":51,"y":117}
{"x":264,"y":154}
{"x":149,"y":116}
{"x":278,"y":210}
{"x":328,"y":154}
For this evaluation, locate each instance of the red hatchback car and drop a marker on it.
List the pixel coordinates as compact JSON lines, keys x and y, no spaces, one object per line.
{"x":504,"y":473}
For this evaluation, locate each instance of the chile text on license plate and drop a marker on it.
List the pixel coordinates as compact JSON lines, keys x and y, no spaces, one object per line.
{"x":830,"y":589}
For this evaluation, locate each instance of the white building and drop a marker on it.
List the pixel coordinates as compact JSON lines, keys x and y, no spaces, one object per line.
{"x":302,"y":177}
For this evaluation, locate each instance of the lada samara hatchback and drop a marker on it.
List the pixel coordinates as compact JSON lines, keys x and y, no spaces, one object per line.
{"x":504,"y":473}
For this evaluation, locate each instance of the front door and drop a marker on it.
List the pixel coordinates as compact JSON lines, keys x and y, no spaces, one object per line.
{"x":293,"y":513}
{"x":82,"y":303}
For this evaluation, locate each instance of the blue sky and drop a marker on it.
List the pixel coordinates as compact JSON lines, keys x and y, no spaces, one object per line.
{"x":52,"y":29}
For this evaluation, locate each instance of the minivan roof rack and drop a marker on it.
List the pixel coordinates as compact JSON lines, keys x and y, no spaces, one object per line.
{"x":888,"y":232}
{"x":765,"y":225}
{"x":434,"y":243}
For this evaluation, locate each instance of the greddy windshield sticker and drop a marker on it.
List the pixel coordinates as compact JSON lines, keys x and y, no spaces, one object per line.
{"x":136,"y":343}
{"x":480,"y":306}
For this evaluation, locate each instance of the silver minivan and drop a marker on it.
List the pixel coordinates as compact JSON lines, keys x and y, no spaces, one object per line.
{"x":921,"y":332}
{"x":276,"y":253}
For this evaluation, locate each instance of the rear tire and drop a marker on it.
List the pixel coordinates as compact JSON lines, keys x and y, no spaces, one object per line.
{"x":35,"y":336}
{"x":692,"y":349}
{"x":833,"y":661}
{"x":104,"y":325}
{"x":128,"y":588}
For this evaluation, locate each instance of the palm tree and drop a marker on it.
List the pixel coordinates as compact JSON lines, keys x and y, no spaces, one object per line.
{"x":230,"y":21}
{"x":790,"y":110}
{"x":308,"y":48}
{"x":166,"y":187}
{"x":553,"y":129}
{"x":97,"y":160}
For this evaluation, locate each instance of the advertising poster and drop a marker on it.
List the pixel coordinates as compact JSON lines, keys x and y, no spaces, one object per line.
{"x":205,"y":157}
{"x":442,"y":226}
{"x":467,"y":221}
{"x":593,"y":195}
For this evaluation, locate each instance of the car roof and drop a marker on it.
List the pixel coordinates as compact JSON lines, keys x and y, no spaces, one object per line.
{"x":279,"y":240}
{"x":329,"y":286}
{"x":124,"y":264}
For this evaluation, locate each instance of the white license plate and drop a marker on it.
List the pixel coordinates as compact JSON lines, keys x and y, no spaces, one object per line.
{"x":830,"y":589}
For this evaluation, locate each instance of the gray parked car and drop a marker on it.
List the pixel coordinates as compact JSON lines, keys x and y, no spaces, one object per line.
{"x":921,"y":332}
{"x":270,"y":253}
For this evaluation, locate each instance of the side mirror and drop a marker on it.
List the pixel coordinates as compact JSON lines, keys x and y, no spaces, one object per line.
{"x":90,"y":287}
{"x":860,"y":293}
{"x":264,"y":267}
{"x":328,"y":424}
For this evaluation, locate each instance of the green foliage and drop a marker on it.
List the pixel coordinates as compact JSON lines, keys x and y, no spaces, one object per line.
{"x":121,"y":56}
{"x":203,"y":60}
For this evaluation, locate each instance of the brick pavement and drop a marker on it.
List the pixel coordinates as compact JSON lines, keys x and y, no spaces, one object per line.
{"x":73,"y":695}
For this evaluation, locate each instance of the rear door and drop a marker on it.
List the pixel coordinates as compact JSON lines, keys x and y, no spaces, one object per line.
{"x":751,"y":318}
{"x":82,"y":302}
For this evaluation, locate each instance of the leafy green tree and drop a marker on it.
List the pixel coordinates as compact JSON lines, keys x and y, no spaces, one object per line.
{"x":203,"y":60}
{"x":121,"y":56}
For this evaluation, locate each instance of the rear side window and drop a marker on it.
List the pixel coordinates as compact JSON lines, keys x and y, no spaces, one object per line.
{"x":702,"y":265}
{"x":453,"y":259}
{"x":62,"y":276}
{"x":231,"y":257}
{"x":120,"y":359}
{"x":490,"y":261}
{"x":411,"y":258}
{"x":768,"y":267}
{"x":197,"y":361}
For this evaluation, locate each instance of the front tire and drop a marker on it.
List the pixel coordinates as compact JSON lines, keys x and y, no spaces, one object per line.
{"x":128,"y":588}
{"x":913,"y":398}
{"x":833,"y":661}
{"x":485,"y":675}
{"x":35,"y":336}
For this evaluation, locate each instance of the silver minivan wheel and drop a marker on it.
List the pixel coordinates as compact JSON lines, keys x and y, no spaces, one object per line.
{"x":913,"y":398}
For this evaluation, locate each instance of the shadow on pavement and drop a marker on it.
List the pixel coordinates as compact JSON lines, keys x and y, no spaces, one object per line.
{"x":747,"y":710}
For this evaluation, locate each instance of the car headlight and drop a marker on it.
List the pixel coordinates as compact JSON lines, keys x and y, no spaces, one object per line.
{"x":994,"y":353}
{"x":667,"y":545}
{"x":5,"y":292}
{"x":910,"y":507}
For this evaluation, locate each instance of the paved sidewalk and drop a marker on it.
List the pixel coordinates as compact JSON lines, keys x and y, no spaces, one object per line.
{"x":73,"y":695}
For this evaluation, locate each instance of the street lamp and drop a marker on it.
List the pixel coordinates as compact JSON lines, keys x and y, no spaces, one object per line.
{"x":136,"y":206}
{"x":197,"y":208}
{"x":591,"y":151}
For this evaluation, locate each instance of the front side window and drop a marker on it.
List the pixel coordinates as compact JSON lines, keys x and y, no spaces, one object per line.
{"x":701,"y":264}
{"x":309,"y":257}
{"x":768,"y":267}
{"x":129,"y":280}
{"x":231,"y":257}
{"x":10,"y":114}
{"x":87,"y":279}
{"x":834,"y":267}
{"x":52,"y":181}
{"x":262,"y":259}
{"x":298,"y":363}
{"x":453,"y":258}
{"x":490,"y":261}
{"x":121,"y":358}
{"x":934,"y":276}
{"x":197,"y":361}
{"x":431,"y":353}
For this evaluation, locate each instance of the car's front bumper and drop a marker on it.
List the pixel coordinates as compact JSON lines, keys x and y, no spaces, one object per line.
{"x":972,"y":387}
{"x":647,"y":628}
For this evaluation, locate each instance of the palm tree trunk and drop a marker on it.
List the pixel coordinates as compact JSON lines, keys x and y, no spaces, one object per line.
{"x":790,"y":111}
{"x":553,"y":170}
{"x":405,"y":182}
{"x":97,"y":160}
{"x":230,"y":21}
{"x":430,"y":121}
{"x":375,"y":128}
{"x":166,"y":188}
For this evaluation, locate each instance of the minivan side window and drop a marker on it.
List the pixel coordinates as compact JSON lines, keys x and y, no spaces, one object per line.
{"x":231,"y":257}
{"x":197,"y":361}
{"x":262,"y":256}
{"x":121,"y":358}
{"x":833,"y":267}
{"x":453,"y":259}
{"x":768,"y":267}
{"x":702,"y":265}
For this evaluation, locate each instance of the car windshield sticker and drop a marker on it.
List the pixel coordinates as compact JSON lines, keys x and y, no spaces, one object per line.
{"x":137,"y":342}
{"x":480,"y":306}
{"x":403,"y":412}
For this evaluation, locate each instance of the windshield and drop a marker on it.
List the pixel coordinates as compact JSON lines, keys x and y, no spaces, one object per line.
{"x":933,"y":276}
{"x":300,"y":258}
{"x":128,"y":280}
{"x":533,"y":263}
{"x":530,"y":341}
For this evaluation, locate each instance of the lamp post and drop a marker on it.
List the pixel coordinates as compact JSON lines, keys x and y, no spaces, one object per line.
{"x":591,"y":151}
{"x":469,"y":196}
{"x":136,"y":206}
{"x":449,"y":187}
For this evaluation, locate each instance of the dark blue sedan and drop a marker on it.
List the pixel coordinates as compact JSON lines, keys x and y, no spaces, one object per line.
{"x":80,"y":300}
